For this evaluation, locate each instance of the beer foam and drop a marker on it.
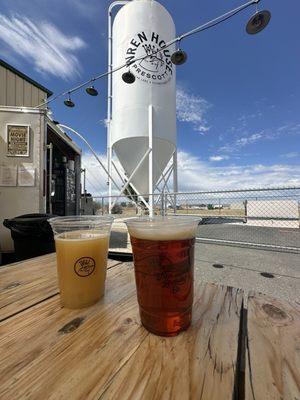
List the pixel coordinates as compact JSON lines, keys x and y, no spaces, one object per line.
{"x":81,"y":235}
{"x":162,"y":230}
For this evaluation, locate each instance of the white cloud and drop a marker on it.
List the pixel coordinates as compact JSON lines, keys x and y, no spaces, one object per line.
{"x":104,"y":122}
{"x":202,"y":128}
{"x":248,"y":139}
{"x":192,"y":109}
{"x":196,"y":175}
{"x":96,"y":177}
{"x":292,"y":154}
{"x":40,"y":42}
{"x":218,"y":158}
{"x":241,"y":142}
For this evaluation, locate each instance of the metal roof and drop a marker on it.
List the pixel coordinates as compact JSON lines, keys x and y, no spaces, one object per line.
{"x":19,"y":73}
{"x":62,"y":134}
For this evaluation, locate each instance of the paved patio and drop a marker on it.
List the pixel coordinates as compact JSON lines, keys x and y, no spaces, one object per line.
{"x":242,"y":267}
{"x":286,"y":237}
{"x":238,"y":266}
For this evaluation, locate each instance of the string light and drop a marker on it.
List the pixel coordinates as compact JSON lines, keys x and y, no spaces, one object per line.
{"x":68,"y":102}
{"x":256,"y":24}
{"x":128,"y":77}
{"x":179,"y":57}
{"x":91,"y":91}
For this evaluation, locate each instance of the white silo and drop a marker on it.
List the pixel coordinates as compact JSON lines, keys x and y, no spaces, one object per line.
{"x":143,"y":122}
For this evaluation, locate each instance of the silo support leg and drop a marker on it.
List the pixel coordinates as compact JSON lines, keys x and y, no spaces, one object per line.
{"x":148,"y":152}
{"x":175,"y":180}
{"x":150,"y":159}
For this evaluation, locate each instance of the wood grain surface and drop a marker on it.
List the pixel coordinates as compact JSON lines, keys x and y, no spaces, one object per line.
{"x":273,"y":351}
{"x":29,"y":282}
{"x":198,"y":364}
{"x":48,"y":352}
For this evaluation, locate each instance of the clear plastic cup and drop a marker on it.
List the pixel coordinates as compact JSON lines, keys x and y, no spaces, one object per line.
{"x":163,"y":251}
{"x":81,"y":244}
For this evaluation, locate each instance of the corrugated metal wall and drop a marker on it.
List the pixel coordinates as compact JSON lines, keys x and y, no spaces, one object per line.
{"x":16,"y":91}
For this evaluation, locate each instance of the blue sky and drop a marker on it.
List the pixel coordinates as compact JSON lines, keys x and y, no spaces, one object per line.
{"x":238,"y":95}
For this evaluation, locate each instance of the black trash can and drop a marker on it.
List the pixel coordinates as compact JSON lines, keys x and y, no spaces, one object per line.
{"x":32,"y":235}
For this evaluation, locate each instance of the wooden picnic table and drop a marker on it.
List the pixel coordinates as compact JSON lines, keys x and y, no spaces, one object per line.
{"x":102,"y":352}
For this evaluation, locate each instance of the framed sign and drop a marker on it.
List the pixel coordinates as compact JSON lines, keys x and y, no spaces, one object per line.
{"x":26,"y":175}
{"x":17,"y":140}
{"x":8,"y":175}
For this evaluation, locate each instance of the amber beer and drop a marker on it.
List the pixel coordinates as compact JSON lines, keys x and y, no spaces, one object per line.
{"x":163,"y":250}
{"x":81,"y":259}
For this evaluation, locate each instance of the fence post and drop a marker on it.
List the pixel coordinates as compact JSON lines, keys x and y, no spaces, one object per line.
{"x":174,"y":202}
{"x":166,"y":204}
{"x":102,"y":205}
{"x":162,"y":206}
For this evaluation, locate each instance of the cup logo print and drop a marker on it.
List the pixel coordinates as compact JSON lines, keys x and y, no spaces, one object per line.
{"x":84,"y":266}
{"x":157,"y":67}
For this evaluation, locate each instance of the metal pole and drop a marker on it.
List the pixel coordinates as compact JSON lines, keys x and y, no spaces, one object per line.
{"x":162,"y":211}
{"x":102,"y":205}
{"x":50,"y":147}
{"x":150,"y":133}
{"x":84,"y":181}
{"x":117,"y":171}
{"x":132,"y":175}
{"x":175,"y":180}
{"x":92,"y":150}
{"x":109,"y":99}
{"x":164,"y":174}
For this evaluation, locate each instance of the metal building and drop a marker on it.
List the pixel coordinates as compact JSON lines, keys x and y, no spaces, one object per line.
{"x":39,"y":163}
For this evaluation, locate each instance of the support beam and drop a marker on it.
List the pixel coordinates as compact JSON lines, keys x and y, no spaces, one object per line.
{"x":118,"y":172}
{"x":148,"y":152}
{"x":163,"y":175}
{"x":150,"y":159}
{"x":175,"y":179}
{"x":118,"y":3}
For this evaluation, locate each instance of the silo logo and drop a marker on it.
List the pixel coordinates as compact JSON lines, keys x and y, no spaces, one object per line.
{"x":157,"y":66}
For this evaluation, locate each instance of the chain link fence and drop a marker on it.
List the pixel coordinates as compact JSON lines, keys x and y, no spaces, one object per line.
{"x":267,"y":217}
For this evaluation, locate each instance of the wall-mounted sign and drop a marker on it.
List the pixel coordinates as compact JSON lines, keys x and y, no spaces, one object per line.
{"x":8,"y":175}
{"x":17,"y":140}
{"x":26,"y":175}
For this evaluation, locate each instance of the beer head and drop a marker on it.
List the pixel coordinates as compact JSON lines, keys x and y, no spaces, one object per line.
{"x":96,"y":223}
{"x":163,"y":228}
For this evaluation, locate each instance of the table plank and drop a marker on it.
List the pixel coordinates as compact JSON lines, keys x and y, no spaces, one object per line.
{"x":27,"y":283}
{"x":198,"y":364}
{"x":273,"y":351}
{"x":51,"y":352}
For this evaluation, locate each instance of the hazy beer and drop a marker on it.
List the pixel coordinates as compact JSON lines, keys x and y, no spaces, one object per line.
{"x":163,"y":250}
{"x":81,"y":259}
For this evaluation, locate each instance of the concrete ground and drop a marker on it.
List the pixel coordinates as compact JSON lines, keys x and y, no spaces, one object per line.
{"x":287,"y":237}
{"x":239,"y":267}
{"x":242,"y":268}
